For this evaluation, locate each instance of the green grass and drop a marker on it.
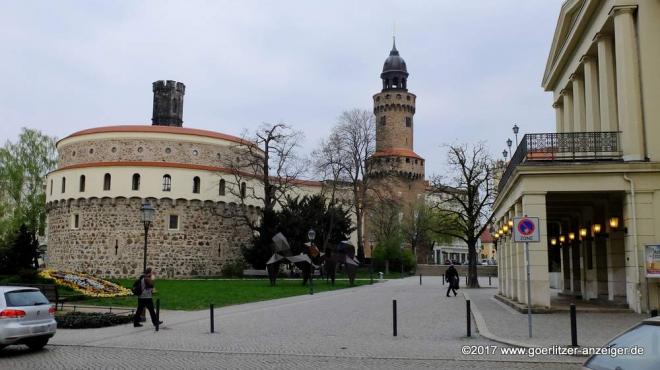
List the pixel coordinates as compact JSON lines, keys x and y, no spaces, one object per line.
{"x":198,"y":294}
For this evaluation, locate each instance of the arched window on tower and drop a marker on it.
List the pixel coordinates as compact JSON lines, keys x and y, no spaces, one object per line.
{"x":81,"y":184}
{"x":395,"y":82}
{"x":196,"y":185}
{"x":167,"y":183}
{"x":383,"y":120}
{"x":221,"y":187}
{"x":243,"y":190}
{"x":408,"y":121}
{"x":63,"y":184}
{"x":135,"y":184}
{"x":51,"y":186}
{"x":106,"y":181}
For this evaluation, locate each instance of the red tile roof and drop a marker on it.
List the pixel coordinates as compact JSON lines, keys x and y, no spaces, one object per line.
{"x":159,"y":129}
{"x":402,"y":152}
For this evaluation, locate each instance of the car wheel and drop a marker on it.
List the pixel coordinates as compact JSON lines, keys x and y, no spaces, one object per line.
{"x":37,"y":343}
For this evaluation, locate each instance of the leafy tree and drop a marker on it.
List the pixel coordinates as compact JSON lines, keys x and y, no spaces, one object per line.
{"x":23,"y":166}
{"x":20,"y":252}
{"x":330,"y":221}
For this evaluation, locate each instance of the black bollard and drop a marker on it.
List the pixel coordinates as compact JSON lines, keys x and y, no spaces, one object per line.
{"x":654,"y":312}
{"x":394,"y":317}
{"x":469,"y":318}
{"x":420,"y":279}
{"x":466,"y":280}
{"x":157,"y":313}
{"x":574,"y":341}
{"x":212,"y":322}
{"x":443,"y":279}
{"x":489,"y":280}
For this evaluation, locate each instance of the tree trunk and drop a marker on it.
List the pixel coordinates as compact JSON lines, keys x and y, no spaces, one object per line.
{"x":473,"y":279}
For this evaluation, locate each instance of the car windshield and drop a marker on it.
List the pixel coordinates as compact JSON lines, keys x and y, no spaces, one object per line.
{"x":20,"y":298}
{"x":645,"y":336}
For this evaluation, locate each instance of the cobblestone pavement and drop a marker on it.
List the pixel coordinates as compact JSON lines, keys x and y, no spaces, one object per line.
{"x":343,"y":329}
{"x":594,"y":328}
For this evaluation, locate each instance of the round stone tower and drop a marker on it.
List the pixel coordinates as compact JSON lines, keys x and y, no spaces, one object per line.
{"x":168,"y":103}
{"x":396,"y":172}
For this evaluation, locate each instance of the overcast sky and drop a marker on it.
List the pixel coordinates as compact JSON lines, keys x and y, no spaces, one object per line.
{"x":475,"y":66}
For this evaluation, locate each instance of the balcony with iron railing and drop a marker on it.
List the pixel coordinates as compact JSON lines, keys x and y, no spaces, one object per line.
{"x":563,"y":147}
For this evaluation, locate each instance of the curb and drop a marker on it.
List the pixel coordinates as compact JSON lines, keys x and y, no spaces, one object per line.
{"x":485,"y":332}
{"x":483,"y":328}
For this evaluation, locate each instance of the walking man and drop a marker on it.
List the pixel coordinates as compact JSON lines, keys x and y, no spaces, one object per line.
{"x":451,"y":276}
{"x":147,"y":283}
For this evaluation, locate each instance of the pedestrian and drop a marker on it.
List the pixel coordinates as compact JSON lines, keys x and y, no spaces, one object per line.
{"x":146,"y":283}
{"x":451,"y":276}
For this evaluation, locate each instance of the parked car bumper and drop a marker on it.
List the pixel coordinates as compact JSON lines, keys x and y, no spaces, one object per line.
{"x":13,"y":331}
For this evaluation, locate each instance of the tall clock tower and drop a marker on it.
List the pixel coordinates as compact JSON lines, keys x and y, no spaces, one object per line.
{"x":396,"y":172}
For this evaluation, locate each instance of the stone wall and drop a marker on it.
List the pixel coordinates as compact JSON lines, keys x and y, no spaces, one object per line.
{"x":110,"y":239}
{"x":151,"y":150}
{"x":395,"y":107}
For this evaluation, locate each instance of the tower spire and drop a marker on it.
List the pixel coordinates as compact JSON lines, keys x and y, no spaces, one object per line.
{"x":394,"y":36}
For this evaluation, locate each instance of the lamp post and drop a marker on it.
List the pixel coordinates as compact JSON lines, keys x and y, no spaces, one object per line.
{"x":515,"y":132}
{"x":147,"y":212}
{"x":509,"y":143}
{"x":504,"y":154}
{"x":311,"y":235}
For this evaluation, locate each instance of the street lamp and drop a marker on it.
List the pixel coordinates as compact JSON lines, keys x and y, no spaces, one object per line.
{"x":515,"y":132}
{"x":311,"y":235}
{"x":504,"y":154}
{"x":509,"y":143}
{"x":147,"y":212}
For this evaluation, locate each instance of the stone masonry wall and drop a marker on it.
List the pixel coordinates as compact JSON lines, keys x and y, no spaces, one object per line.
{"x":110,"y":239}
{"x":121,"y":150}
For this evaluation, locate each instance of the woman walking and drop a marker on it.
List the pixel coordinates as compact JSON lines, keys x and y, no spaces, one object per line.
{"x":451,"y":276}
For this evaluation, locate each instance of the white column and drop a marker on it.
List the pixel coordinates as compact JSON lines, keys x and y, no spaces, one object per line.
{"x":629,"y":93}
{"x":591,"y":93}
{"x":567,"y":97}
{"x":609,"y":120}
{"x":559,"y":116}
{"x":579,"y":115}
{"x":534,"y":205}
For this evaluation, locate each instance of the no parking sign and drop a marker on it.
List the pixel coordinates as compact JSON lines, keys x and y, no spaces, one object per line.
{"x":526,"y":229}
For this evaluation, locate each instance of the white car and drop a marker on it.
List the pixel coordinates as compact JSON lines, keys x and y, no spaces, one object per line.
{"x":26,"y":317}
{"x":645,"y":335}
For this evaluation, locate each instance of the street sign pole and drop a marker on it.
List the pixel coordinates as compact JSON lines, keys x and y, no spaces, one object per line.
{"x":529,"y":291}
{"x":526,"y":229}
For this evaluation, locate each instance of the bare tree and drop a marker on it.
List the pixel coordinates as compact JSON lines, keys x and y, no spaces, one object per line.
{"x":354,"y":138}
{"x":466,"y":197}
{"x":268,"y":156}
{"x":417,"y":227}
{"x":266,"y":168}
{"x":328,"y":163}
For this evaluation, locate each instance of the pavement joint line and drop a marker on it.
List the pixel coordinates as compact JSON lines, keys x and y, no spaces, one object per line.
{"x":443,"y":358}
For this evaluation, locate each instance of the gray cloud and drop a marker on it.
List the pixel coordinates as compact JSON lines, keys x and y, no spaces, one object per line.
{"x":475,"y":66}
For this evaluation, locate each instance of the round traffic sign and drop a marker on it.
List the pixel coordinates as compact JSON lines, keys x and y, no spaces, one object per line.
{"x":526,"y":227}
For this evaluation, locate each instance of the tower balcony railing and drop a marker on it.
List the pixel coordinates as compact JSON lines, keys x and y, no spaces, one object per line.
{"x":566,"y":146}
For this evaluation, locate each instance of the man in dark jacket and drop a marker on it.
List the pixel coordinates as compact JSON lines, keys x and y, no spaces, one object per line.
{"x":451,"y":276}
{"x":147,"y":283}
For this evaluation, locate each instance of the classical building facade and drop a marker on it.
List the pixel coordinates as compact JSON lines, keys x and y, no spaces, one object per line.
{"x":595,"y":181}
{"x":104,"y":175}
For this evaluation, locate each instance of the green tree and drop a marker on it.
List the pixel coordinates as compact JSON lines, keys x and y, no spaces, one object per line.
{"x":23,"y":166}
{"x":330,"y":221}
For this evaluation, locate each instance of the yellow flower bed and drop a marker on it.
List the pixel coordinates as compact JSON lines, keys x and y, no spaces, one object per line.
{"x":86,"y":284}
